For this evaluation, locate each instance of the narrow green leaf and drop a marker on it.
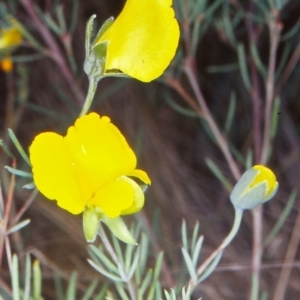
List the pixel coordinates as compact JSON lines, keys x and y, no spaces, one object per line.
{"x":102,"y":30}
{"x":189,"y":264}
{"x":27,"y":277}
{"x":6,"y":149}
{"x":71,"y":290}
{"x":117,"y":248}
{"x":243,"y":66}
{"x":74,"y":16}
{"x":184,"y":236}
{"x":37,"y":281}
{"x":15,"y":278}
{"x":211,"y":267}
{"x":294,"y":30}
{"x":128,"y":256}
{"x":18,"y":146}
{"x":144,"y":245}
{"x":196,"y":251}
{"x":231,"y":112}
{"x":104,"y":272}
{"x":121,"y":291}
{"x":90,"y":290}
{"x":61,"y":18}
{"x":158,"y":290}
{"x":18,"y":226}
{"x":29,"y":186}
{"x":88,"y":35}
{"x":195,"y":235}
{"x":104,"y":259}
{"x":181,"y":110}
{"x":145,"y":284}
{"x":58,"y":287}
{"x":219,"y":175}
{"x":223,"y":68}
{"x":255,"y":55}
{"x":158,"y":265}
{"x":134,"y":263}
{"x":18,"y":172}
{"x":283,"y":59}
{"x":282,"y":218}
{"x":102,"y":292}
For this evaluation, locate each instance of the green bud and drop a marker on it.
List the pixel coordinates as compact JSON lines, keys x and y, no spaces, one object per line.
{"x":256,"y":186}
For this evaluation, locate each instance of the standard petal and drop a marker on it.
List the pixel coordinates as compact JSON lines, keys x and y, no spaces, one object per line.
{"x":101,"y":149}
{"x":143,"y":39}
{"x":115,"y":197}
{"x":53,"y":172}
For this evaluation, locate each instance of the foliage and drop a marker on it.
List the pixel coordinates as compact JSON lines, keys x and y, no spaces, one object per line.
{"x":228,"y":101}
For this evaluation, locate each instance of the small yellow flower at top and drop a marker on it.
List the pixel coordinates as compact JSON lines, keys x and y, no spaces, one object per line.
{"x":256,"y":186}
{"x":6,"y":64}
{"x":9,"y":38}
{"x":89,"y":168}
{"x":142,"y":40}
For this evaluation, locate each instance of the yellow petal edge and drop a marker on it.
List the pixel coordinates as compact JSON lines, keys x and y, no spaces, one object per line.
{"x":143,"y":39}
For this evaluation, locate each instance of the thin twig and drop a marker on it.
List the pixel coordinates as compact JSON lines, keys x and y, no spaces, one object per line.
{"x":222,"y":142}
{"x":290,"y":255}
{"x":235,"y":227}
{"x":177,"y":86}
{"x":275,"y":27}
{"x":274,"y":32}
{"x":23,"y":209}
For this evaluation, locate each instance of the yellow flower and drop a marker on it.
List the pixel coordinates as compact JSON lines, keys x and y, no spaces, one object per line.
{"x":9,"y":38}
{"x":256,"y":186}
{"x":142,"y":40}
{"x":88,"y":168}
{"x":6,"y":64}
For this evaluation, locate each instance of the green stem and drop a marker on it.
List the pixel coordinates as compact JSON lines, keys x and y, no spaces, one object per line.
{"x":235,"y":227}
{"x":93,"y":83}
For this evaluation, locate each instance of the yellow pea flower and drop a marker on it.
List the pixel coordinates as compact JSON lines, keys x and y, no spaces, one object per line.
{"x":88,"y":168}
{"x":9,"y":37}
{"x":256,"y":186}
{"x":142,"y":40}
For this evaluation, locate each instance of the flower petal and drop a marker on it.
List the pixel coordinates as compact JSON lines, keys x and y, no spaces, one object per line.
{"x":140,"y":174}
{"x":264,"y":174}
{"x":139,"y":198}
{"x":113,"y":198}
{"x":100,"y":147}
{"x":53,"y":174}
{"x":143,"y":39}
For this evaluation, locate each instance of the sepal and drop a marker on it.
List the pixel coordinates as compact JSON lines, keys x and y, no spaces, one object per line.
{"x":91,"y":220}
{"x":119,"y":229}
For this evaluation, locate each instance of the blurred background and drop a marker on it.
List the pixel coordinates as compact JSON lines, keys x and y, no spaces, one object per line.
{"x":231,"y":43}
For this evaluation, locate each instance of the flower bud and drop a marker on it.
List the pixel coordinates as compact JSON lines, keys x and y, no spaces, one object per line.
{"x":256,"y":186}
